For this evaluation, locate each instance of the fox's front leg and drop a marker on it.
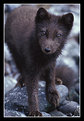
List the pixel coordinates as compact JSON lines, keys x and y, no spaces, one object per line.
{"x":51,"y":92}
{"x":32,"y":89}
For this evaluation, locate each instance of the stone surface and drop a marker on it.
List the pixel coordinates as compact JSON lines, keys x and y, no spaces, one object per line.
{"x":73,"y":95}
{"x":44,"y":114}
{"x":14,"y":100}
{"x":68,"y":107}
{"x":57,"y":113}
{"x":63,"y":92}
{"x":12,"y":113}
{"x":7,"y":53}
{"x":7,"y":69}
{"x":9,"y":82}
{"x":77,"y":111}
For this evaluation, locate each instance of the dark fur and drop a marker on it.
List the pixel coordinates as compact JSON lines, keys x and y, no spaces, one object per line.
{"x":66,"y":74}
{"x":28,"y":33}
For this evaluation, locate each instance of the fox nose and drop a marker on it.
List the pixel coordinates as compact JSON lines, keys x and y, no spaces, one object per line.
{"x":47,"y":50}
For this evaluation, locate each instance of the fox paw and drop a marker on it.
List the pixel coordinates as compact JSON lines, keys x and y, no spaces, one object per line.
{"x":35,"y":113}
{"x":53,"y":97}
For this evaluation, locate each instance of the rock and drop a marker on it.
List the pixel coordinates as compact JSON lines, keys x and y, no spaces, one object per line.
{"x":77,"y":111}
{"x":13,"y":113}
{"x":14,"y":100}
{"x":7,"y":53}
{"x":9,"y":83}
{"x":73,"y":95}
{"x":63,"y":92}
{"x":44,"y":114}
{"x":57,"y":113}
{"x":7,"y":69}
{"x":68,"y":107}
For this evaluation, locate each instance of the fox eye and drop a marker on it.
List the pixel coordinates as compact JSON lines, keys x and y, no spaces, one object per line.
{"x":43,"y":33}
{"x":58,"y":35}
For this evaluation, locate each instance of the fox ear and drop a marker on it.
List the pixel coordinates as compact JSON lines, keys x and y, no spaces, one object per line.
{"x":67,"y":20}
{"x":41,"y":15}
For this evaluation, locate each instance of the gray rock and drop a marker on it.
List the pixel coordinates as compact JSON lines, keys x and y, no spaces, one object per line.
{"x":9,"y":83}
{"x":7,"y":53}
{"x":7,"y":69}
{"x":57,"y":113}
{"x":73,"y":95}
{"x":77,"y":111}
{"x":13,"y":113}
{"x":44,"y":114}
{"x":68,"y":107}
{"x":63,"y":92}
{"x":62,"y":89}
{"x":14,"y":100}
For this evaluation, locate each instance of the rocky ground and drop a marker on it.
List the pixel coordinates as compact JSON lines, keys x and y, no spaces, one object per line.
{"x":15,"y":98}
